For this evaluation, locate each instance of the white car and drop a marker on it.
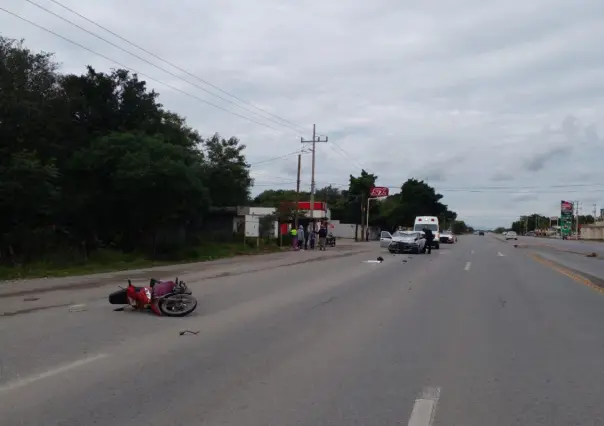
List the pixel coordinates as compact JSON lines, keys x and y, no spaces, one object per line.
{"x":447,"y":237}
{"x":403,"y":241}
{"x":511,"y":235}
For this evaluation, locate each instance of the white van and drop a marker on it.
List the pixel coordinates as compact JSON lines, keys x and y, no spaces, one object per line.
{"x":430,"y":222}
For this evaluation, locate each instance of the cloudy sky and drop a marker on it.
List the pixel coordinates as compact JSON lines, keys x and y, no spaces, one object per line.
{"x":498,"y":105}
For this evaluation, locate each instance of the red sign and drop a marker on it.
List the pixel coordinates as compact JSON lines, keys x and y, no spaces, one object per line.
{"x":305,"y":205}
{"x":379,"y":191}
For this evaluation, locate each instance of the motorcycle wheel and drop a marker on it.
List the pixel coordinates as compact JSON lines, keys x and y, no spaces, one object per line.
{"x":177,"y":305}
{"x":118,"y":298}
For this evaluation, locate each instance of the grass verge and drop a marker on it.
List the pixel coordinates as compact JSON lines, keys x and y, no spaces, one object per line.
{"x":110,"y":260}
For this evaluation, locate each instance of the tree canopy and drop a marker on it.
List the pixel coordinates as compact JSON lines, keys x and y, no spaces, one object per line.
{"x":94,"y":160}
{"x":416,"y":198}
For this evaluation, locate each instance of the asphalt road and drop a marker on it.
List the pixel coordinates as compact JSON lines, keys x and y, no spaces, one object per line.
{"x":581,"y":246}
{"x":567,"y":253}
{"x":478,"y":333}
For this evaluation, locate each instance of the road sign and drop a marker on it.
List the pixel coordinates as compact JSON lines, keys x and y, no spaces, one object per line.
{"x":379,"y":191}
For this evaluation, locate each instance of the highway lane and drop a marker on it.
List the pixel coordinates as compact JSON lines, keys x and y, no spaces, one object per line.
{"x":478,"y":329}
{"x":581,"y":246}
{"x":568,"y":254}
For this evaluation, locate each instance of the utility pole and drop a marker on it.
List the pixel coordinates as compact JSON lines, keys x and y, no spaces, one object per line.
{"x":525,"y":224}
{"x":577,"y":221}
{"x":297,"y":192}
{"x":595,"y":211}
{"x":314,"y":140}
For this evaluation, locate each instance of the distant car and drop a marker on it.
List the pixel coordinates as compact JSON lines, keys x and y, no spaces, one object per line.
{"x":407,"y":241}
{"x":511,"y":235}
{"x":447,"y":237}
{"x":480,"y":232}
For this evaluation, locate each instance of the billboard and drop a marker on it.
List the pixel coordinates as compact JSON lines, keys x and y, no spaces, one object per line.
{"x":566,"y":217}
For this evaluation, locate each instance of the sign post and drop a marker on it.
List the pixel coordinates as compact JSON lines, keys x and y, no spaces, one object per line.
{"x":376,"y":192}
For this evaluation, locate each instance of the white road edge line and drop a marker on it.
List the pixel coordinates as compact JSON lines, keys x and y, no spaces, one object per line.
{"x":468,"y":265}
{"x":53,"y":372}
{"x":424,"y":408}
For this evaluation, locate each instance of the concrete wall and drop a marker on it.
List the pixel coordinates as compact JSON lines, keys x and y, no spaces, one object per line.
{"x":593,"y":232}
{"x":243,"y":211}
{"x":347,"y":230}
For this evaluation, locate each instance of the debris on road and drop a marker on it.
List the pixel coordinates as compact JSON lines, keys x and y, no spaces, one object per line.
{"x":77,"y":308}
{"x":591,"y":255}
{"x":182,"y":333}
{"x":31,"y":299}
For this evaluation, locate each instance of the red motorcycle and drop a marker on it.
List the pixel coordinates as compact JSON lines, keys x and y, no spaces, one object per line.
{"x":169,"y":298}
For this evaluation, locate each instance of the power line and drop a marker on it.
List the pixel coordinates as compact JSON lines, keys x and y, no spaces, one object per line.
{"x":171,"y":63}
{"x":154,"y":65}
{"x":271,"y":159}
{"x":137,"y":72}
{"x":563,"y":188}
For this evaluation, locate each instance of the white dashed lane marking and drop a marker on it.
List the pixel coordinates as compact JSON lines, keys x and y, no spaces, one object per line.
{"x":424,"y":408}
{"x":53,"y":372}
{"x":468,"y":266}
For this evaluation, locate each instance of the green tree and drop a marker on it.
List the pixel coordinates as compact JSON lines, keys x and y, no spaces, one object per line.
{"x":94,"y":160}
{"x":228,"y":171}
{"x":416,"y":198}
{"x":459,"y":227}
{"x":274,"y":197}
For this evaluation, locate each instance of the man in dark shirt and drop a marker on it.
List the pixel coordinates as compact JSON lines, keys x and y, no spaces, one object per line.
{"x":429,"y":238}
{"x":322,"y":237}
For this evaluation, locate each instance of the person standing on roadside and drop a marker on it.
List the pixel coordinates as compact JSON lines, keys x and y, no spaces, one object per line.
{"x":322,"y":237}
{"x":301,"y":237}
{"x":429,"y":238}
{"x":294,"y":234}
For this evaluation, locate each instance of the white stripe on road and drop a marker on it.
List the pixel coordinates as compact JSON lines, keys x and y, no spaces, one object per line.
{"x":62,"y":369}
{"x":500,"y":254}
{"x":468,"y":265}
{"x":424,"y":408}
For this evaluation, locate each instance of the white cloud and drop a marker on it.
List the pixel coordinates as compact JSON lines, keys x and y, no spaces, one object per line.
{"x":489,"y":101}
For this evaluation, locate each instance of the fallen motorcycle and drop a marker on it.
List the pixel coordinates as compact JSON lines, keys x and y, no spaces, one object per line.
{"x":169,"y":298}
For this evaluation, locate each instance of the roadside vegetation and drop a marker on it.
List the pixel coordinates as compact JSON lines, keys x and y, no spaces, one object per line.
{"x":537,"y":221}
{"x":96,"y":175}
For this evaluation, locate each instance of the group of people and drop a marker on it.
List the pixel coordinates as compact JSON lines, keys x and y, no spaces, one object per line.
{"x":301,"y":239}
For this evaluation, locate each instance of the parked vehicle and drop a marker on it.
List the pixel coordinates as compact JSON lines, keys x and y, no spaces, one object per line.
{"x":330,"y":240}
{"x":447,"y":237}
{"x":403,"y":241}
{"x":511,"y":235}
{"x":170,"y":298}
{"x":430,"y":222}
